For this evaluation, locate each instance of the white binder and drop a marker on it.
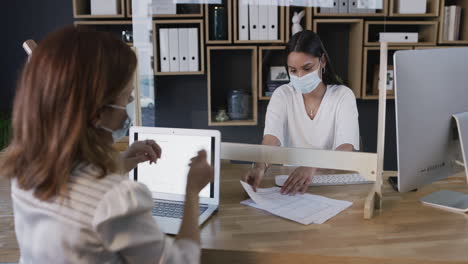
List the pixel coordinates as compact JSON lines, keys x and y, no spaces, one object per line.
{"x":193,"y":49}
{"x":325,"y":6}
{"x":343,"y":6}
{"x":273,"y":20}
{"x":174,"y":49}
{"x":263,"y":11}
{"x":164,"y":49}
{"x":253,"y":20}
{"x":352,"y":6}
{"x":398,"y":37}
{"x":243,"y":20}
{"x":335,"y":9}
{"x":183,"y":50}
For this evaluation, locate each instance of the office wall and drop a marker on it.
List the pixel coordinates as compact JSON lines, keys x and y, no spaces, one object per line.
{"x":25,"y":19}
{"x":181,"y":100}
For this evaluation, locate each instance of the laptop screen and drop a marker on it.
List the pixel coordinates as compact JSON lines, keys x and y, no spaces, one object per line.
{"x":169,"y":174}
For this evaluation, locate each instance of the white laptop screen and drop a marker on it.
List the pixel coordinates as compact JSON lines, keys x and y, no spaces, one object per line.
{"x":169,"y":174}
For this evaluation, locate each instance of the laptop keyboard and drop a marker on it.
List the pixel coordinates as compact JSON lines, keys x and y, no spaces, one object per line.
{"x":172,"y":210}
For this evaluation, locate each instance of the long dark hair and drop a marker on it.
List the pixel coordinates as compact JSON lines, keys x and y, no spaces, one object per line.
{"x":309,"y":43}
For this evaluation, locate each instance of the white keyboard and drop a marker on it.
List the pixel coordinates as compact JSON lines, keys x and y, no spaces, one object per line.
{"x":332,"y":179}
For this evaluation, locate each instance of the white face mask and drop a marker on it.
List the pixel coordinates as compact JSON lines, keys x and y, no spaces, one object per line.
{"x":306,"y":83}
{"x":118,"y":134}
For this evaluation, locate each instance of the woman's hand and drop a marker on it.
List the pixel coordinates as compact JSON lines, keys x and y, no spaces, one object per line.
{"x":141,"y":151}
{"x":298,"y":181}
{"x":200,"y":174}
{"x":254,"y":176}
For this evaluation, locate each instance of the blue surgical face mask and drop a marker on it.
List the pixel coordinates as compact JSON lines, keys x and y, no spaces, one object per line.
{"x":120,"y":133}
{"x":306,"y":83}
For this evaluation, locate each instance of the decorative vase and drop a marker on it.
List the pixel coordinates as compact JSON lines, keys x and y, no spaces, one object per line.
{"x":218,"y":23}
{"x":239,"y":105}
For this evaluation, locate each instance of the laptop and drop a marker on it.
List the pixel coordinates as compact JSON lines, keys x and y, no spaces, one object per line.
{"x":167,"y":178}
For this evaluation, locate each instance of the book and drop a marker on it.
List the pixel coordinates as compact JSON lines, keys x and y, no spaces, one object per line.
{"x":446,"y":22}
{"x":453,"y":23}
{"x":457,"y":23}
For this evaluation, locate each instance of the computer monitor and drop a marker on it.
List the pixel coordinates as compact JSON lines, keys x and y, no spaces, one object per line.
{"x":430,"y":87}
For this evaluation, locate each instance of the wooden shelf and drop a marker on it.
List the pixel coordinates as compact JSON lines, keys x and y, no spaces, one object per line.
{"x":208,"y":23}
{"x":379,"y":12}
{"x":339,"y":33}
{"x":433,"y":47}
{"x":239,"y":73}
{"x":427,"y":31}
{"x":198,"y":23}
{"x":114,"y":26}
{"x":267,"y":57}
{"x":306,"y":20}
{"x":281,"y":23}
{"x":432,"y":9}
{"x":371,"y":61}
{"x":198,"y":13}
{"x":82,"y":10}
{"x":463,"y":23}
{"x":234,"y":123}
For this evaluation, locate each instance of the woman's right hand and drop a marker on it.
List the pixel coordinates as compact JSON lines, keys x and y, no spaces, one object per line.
{"x":200,"y":174}
{"x":254,"y":176}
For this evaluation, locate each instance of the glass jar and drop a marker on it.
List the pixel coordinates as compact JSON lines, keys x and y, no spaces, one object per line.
{"x":218,"y":23}
{"x":239,"y":105}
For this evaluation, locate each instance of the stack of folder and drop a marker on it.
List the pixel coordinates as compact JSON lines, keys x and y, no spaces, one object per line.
{"x":178,"y":49}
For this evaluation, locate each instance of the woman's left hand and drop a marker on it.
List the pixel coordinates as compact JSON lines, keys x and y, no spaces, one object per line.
{"x":141,"y":151}
{"x":298,"y":181}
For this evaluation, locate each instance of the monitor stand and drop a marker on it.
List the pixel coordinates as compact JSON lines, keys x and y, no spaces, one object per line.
{"x":462,"y":124}
{"x":449,"y":200}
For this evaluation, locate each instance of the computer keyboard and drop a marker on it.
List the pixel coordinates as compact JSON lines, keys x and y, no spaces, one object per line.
{"x":331,"y":179}
{"x":171,"y":209}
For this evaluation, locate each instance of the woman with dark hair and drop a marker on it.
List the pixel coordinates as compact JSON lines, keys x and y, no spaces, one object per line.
{"x":72,"y":200}
{"x":315,"y":110}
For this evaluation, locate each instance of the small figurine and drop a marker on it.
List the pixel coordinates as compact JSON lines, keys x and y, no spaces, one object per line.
{"x":296,"y":27}
{"x":222,"y":115}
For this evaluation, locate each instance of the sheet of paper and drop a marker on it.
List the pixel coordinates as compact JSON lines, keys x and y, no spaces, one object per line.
{"x":305,"y":209}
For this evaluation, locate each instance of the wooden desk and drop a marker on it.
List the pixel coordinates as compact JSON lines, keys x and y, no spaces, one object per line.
{"x":406,"y":232}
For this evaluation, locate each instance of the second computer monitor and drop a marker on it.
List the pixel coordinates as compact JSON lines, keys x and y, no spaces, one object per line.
{"x":430,"y":86}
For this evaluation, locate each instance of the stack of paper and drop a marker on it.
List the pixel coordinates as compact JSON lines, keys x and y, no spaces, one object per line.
{"x":305,"y":209}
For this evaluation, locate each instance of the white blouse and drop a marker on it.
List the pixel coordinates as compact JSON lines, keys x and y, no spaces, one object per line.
{"x":335,"y":123}
{"x":95,"y":221}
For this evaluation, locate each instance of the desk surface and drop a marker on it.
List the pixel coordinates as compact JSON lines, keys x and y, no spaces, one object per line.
{"x":405,"y":232}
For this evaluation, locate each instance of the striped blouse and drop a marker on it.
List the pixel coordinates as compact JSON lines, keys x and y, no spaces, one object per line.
{"x":96,"y":221}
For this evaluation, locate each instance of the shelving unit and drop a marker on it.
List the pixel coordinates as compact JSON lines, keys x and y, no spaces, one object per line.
{"x":82,"y":10}
{"x":432,"y":9}
{"x":379,"y":12}
{"x":463,"y":23}
{"x":427,"y":31}
{"x":280,"y":24}
{"x":306,"y":21}
{"x":114,"y":26}
{"x":198,"y":23}
{"x":339,"y":33}
{"x":371,"y":61}
{"x":221,"y":80}
{"x":268,"y":57}
{"x":208,"y":24}
{"x":358,"y":32}
{"x":183,"y":11}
